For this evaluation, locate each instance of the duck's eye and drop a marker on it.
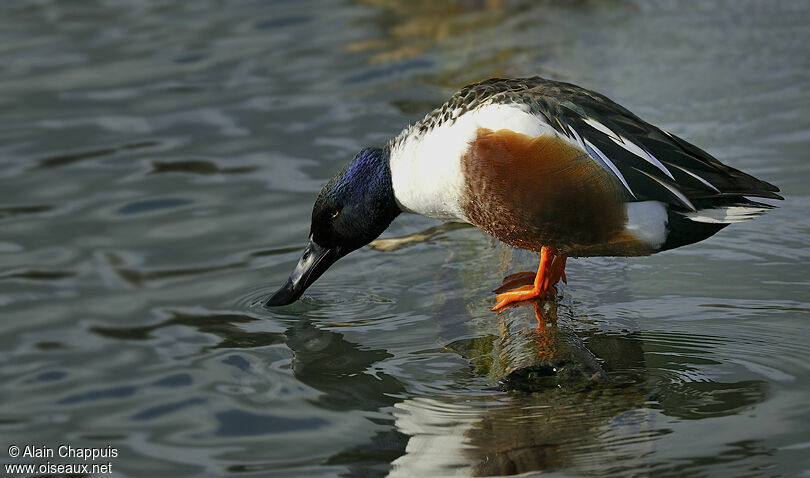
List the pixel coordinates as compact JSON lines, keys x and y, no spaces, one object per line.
{"x":335,"y":214}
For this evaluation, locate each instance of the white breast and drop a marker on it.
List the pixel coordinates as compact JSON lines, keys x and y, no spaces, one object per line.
{"x":426,"y":167}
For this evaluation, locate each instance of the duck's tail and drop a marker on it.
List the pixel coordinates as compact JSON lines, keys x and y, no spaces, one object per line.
{"x":739,"y":209}
{"x":687,"y":227}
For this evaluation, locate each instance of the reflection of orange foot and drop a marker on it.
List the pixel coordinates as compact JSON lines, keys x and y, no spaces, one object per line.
{"x":546,"y":314}
{"x":540,"y":316}
{"x":545,"y":336}
{"x":551,"y":270}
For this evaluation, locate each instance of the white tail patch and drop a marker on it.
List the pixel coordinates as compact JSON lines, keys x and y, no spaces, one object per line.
{"x":647,"y":221}
{"x":726,"y":214}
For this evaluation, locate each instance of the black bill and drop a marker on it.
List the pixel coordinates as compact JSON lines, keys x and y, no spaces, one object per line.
{"x":314,"y":262}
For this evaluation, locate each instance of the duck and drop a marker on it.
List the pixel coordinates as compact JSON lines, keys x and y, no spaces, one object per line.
{"x":541,"y":165}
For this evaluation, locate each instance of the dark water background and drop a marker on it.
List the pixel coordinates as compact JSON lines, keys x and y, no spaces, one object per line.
{"x":158,"y":162}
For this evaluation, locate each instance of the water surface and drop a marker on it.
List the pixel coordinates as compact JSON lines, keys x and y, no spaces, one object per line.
{"x":158,"y":162}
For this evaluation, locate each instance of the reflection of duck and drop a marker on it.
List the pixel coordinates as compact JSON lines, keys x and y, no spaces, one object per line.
{"x":529,"y":359}
{"x":541,"y":165}
{"x":563,"y":405}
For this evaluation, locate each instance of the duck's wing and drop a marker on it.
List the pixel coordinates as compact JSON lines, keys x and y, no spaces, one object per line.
{"x":651,"y":163}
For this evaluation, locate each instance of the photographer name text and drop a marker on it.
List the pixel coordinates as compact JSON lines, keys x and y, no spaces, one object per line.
{"x":63,"y":451}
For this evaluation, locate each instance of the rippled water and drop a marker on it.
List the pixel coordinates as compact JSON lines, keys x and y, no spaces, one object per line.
{"x":158,"y":162}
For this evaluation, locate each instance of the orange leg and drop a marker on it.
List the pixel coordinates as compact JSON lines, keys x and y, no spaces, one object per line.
{"x":558,"y":271}
{"x":551,"y":270}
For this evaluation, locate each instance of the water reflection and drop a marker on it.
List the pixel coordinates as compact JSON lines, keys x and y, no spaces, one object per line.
{"x":348,"y":377}
{"x":223,"y":325}
{"x":346,"y":374}
{"x":197,"y":166}
{"x":552,"y":394}
{"x":574,"y":395}
{"x":531,"y":352}
{"x":562,"y":400}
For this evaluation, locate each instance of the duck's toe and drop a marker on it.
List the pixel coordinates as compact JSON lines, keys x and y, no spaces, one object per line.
{"x":515,"y":280}
{"x":521,"y":294}
{"x":525,"y":286}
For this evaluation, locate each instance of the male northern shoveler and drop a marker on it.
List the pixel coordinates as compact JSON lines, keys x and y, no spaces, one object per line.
{"x":541,"y":165}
